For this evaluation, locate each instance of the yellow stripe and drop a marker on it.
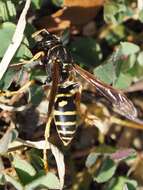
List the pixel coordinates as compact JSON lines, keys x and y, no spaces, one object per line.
{"x":65,"y":123}
{"x":63,"y":103}
{"x":66,"y":138}
{"x":63,"y":95}
{"x":56,"y":112}
{"x":66,"y":143}
{"x":66,"y":132}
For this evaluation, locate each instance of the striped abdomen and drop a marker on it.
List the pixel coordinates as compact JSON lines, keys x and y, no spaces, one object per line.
{"x":65,"y":113}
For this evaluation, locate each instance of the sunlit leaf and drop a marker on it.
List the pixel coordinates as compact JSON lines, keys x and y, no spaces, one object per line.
{"x":114,"y":11}
{"x":140,"y":58}
{"x":141,"y":16}
{"x":6,"y":33}
{"x":7,"y":138}
{"x":122,"y":182}
{"x":4,"y":178}
{"x":91,"y":159}
{"x":123,"y":81}
{"x":106,"y":72}
{"x":7,"y":10}
{"x":116,"y":34}
{"x":24,"y":169}
{"x":109,"y":71}
{"x":59,"y":157}
{"x":128,"y":63}
{"x":128,"y":48}
{"x":106,"y":171}
{"x":50,"y":181}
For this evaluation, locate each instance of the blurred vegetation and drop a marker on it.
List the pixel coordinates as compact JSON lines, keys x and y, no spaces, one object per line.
{"x":105,"y":38}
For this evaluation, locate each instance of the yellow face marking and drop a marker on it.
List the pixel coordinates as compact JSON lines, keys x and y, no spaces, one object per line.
{"x":65,"y":123}
{"x":65,"y":113}
{"x":63,"y":103}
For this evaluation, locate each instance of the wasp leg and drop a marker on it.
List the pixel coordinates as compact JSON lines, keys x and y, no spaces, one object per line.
{"x":38,"y":32}
{"x":77,"y":100}
{"x":52,"y":95}
{"x":21,"y":90}
{"x":35,"y":57}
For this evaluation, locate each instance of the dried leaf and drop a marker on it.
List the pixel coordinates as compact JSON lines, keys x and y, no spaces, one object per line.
{"x":75,"y":12}
{"x":83,"y":3}
{"x":6,"y":139}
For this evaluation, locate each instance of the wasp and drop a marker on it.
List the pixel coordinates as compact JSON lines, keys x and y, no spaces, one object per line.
{"x":64,"y":96}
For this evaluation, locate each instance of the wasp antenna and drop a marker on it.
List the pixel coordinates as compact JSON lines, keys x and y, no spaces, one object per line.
{"x":39,"y":31}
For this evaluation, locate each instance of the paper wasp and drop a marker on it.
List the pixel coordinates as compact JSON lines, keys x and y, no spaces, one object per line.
{"x":65,"y":90}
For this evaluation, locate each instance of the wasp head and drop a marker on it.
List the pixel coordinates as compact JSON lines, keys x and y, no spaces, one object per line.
{"x":45,"y":41}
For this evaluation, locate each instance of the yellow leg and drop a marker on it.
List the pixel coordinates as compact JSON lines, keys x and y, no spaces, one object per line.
{"x":35,"y":57}
{"x":21,"y":90}
{"x":38,"y":32}
{"x":77,"y":99}
{"x":47,"y":134}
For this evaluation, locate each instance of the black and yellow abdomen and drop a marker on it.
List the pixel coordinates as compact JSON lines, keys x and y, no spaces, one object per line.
{"x":65,"y":113}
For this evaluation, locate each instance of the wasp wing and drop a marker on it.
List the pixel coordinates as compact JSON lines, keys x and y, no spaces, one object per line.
{"x":119,"y":100}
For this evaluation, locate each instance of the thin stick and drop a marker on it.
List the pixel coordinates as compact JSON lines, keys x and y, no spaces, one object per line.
{"x":16,"y":40}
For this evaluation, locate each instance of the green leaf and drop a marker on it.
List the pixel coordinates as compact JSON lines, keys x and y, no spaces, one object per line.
{"x":86,"y":51}
{"x":141,"y":16}
{"x":91,"y":159}
{"x":37,"y":74}
{"x":117,"y":33}
{"x":23,"y":53}
{"x":65,"y":37}
{"x":36,"y":158}
{"x":25,"y":170}
{"x":140,"y":58}
{"x":6,"y":33}
{"x":120,"y":183}
{"x":128,"y":48}
{"x":50,"y":181}
{"x":106,"y":171}
{"x":128,"y":63}
{"x":8,"y":78}
{"x":37,"y":3}
{"x":36,"y":94}
{"x":106,"y":73}
{"x":58,"y":3}
{"x":4,"y":178}
{"x":29,"y":30}
{"x":123,"y":81}
{"x":109,"y":71}
{"x":7,"y":10}
{"x":7,"y":138}
{"x":114,"y":11}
